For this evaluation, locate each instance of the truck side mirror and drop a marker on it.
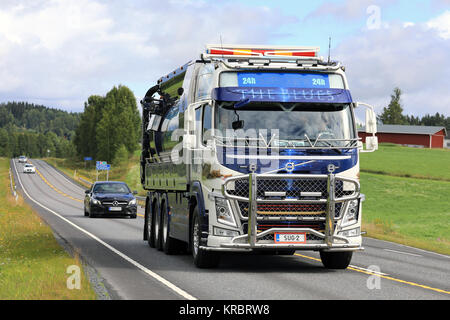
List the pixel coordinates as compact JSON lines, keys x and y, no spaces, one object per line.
{"x":371,"y":128}
{"x":371,"y":121}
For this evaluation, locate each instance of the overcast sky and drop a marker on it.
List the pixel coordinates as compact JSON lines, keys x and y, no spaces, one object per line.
{"x":59,"y":52}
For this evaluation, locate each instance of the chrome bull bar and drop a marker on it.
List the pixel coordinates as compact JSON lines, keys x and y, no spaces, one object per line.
{"x":253,"y":200}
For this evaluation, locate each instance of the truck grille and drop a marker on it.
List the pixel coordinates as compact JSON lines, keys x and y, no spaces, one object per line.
{"x":292,"y":210}
{"x":292,"y":187}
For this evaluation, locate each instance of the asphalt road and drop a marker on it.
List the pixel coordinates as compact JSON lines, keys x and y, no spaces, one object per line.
{"x":132,"y":270}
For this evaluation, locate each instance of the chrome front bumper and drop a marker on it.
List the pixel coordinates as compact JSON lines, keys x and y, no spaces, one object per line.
{"x":327,"y":240}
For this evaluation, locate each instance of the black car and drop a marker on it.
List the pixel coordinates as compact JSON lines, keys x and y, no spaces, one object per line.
{"x":110,"y":199}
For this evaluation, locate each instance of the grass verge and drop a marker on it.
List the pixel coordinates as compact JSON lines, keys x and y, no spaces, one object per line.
{"x":33,"y":266}
{"x":394,"y":160}
{"x":128,"y":172}
{"x":409,"y":211}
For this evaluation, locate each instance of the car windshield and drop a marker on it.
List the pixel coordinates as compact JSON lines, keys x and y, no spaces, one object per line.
{"x":288,"y":124}
{"x":111,"y":188}
{"x":28,"y":166}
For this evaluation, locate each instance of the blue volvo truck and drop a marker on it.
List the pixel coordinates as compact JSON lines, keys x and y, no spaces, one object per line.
{"x":254,"y":149}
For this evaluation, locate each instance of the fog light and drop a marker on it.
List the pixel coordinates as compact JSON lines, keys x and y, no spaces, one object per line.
{"x":225,"y":233}
{"x":350,"y":233}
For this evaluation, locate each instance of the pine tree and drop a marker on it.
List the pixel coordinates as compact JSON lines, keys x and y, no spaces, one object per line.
{"x":392,"y":114}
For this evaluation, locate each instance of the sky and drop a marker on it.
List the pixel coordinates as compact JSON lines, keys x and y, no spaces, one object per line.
{"x":59,"y":52}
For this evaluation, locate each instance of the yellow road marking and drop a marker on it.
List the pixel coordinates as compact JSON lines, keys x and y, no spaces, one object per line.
{"x":382,"y":276}
{"x":62,"y":193}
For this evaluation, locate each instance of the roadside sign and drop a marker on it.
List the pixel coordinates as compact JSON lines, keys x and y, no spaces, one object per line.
{"x":87,"y":158}
{"x":101,"y":165}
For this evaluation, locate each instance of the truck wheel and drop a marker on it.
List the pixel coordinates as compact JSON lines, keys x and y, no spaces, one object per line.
{"x":157,"y":226}
{"x":336,"y":260}
{"x":149,"y":228}
{"x":169,"y":245}
{"x":202,"y":258}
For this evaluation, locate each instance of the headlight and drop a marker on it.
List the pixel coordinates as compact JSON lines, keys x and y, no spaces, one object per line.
{"x":223,"y":212}
{"x":95,"y":201}
{"x":351,"y":215}
{"x":132,"y":202}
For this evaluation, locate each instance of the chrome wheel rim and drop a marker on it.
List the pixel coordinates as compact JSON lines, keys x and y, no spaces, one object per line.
{"x":196,"y":239}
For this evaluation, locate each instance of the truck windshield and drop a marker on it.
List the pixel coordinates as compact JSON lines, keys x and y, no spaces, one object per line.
{"x":287,"y":124}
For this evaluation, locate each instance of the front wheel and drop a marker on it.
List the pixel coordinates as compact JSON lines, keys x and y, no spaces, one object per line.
{"x":336,"y":260}
{"x":202,"y":257}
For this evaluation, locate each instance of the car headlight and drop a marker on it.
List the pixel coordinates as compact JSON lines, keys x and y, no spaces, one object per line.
{"x":95,"y":201}
{"x":223,"y":212}
{"x":132,"y":202}
{"x":351,"y":215}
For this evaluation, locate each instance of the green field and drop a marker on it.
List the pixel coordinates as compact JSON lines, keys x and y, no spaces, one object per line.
{"x":407,"y":192}
{"x":408,"y":162}
{"x":33,"y":266}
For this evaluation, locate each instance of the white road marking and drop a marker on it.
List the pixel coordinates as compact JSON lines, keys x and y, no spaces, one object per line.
{"x":165,"y":282}
{"x":369,"y":270}
{"x":410,"y":254}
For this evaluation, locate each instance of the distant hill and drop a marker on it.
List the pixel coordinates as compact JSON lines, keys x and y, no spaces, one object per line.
{"x":36,"y":130}
{"x":38,"y":118}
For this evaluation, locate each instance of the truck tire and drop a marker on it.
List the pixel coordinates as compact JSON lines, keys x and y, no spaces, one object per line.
{"x":157,"y":226}
{"x":202,"y":258}
{"x":149,"y":228}
{"x":169,"y":245}
{"x":336,"y":260}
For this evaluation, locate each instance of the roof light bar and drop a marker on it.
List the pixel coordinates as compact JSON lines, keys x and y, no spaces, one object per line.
{"x":261,"y":51}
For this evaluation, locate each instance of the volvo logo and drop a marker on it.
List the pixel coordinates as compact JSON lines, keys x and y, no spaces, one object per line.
{"x":290,"y":166}
{"x":115,"y":203}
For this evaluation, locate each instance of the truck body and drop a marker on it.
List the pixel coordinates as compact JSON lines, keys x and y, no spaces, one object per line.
{"x":253,"y":149}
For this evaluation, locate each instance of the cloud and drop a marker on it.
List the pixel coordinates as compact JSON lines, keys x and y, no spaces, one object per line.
{"x":348,"y":9}
{"x":413,"y":58}
{"x":58,"y":52}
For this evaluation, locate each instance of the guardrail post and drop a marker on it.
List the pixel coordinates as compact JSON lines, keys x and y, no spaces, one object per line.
{"x":329,"y":222}
{"x":252,"y":205}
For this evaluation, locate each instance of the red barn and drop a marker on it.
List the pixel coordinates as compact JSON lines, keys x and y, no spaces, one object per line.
{"x":427,"y":136}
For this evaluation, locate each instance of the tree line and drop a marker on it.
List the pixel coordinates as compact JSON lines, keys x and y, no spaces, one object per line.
{"x":109,"y":129}
{"x":36,"y":130}
{"x":393,"y":114}
{"x":110,"y":126}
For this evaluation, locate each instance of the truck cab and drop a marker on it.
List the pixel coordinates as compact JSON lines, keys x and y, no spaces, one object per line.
{"x":252,"y":149}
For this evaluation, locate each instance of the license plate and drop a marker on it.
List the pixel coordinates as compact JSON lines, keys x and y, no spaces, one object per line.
{"x":115,"y":209}
{"x":290,"y":237}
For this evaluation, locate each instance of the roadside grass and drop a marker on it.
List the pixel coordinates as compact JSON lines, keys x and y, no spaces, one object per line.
{"x":128,"y":172}
{"x":33,"y":265}
{"x":401,"y":161}
{"x":409,"y":211}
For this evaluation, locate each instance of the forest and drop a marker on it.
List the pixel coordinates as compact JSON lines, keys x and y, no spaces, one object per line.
{"x":36,"y":130}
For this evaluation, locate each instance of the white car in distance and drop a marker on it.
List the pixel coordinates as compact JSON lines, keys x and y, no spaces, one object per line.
{"x":29,"y":168}
{"x":23,"y":159}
